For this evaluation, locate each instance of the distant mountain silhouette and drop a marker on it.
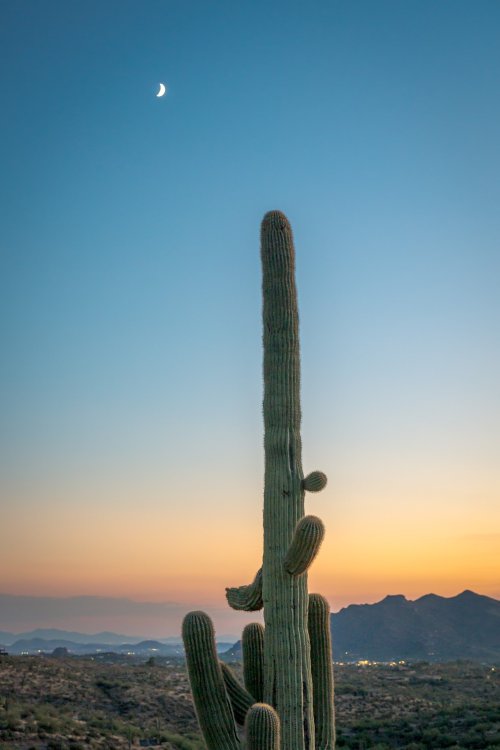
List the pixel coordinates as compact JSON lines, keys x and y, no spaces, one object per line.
{"x":48,"y":645}
{"x":77,"y":645}
{"x":234,"y":653}
{"x":50,"y":634}
{"x":21,"y":613}
{"x":432,"y":628}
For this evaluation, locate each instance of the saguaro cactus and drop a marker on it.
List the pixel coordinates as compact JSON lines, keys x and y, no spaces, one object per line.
{"x":287,"y":701}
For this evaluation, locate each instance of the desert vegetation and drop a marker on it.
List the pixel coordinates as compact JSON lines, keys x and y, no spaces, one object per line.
{"x":76,"y":703}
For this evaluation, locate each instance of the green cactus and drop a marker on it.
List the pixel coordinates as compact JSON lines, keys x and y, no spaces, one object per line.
{"x":213,"y":707}
{"x":288,"y":664}
{"x":262,"y":728}
{"x":322,"y":674}
{"x":314,"y":482}
{"x":241,"y":700}
{"x":252,"y":645}
{"x":305,"y":545}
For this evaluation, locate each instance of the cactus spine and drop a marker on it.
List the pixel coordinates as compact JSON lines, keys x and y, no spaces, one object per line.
{"x":289,"y":664}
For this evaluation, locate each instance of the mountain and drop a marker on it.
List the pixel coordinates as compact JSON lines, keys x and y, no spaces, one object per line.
{"x":22,"y":613}
{"x":79,"y":646}
{"x":46,"y":646}
{"x":233,"y":653}
{"x":50,"y":634}
{"x":432,"y":628}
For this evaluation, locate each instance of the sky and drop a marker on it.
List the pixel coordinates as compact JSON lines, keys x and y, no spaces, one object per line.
{"x":131,"y":435}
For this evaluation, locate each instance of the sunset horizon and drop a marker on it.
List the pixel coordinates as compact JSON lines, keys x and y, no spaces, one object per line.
{"x":130,"y":617}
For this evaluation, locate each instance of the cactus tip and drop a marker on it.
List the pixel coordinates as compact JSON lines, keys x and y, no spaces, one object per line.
{"x":275,"y":220}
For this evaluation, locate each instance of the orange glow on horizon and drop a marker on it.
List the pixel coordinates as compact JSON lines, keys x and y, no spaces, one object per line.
{"x":149,"y":550}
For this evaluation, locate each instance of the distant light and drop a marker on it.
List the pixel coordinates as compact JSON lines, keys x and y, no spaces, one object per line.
{"x":162,"y":89}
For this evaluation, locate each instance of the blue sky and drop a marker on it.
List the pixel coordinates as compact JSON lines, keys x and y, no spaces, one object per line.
{"x":130,"y":305}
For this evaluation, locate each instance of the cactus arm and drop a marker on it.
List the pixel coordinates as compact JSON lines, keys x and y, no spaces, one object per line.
{"x":247,"y":598}
{"x":314,"y":482}
{"x":241,"y":700}
{"x":252,"y":644}
{"x":213,"y":708}
{"x":322,"y":671}
{"x":262,"y":728}
{"x":305,"y":545}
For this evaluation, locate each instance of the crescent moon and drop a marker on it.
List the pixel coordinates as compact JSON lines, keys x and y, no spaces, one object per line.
{"x":162,"y":90}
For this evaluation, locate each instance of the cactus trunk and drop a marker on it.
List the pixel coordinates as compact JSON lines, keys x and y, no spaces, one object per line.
{"x":287,"y":684}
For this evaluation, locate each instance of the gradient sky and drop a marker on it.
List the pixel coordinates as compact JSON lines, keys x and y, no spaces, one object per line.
{"x":131,"y":429}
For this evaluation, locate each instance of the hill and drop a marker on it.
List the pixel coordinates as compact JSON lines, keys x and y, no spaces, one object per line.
{"x":433,"y":628}
{"x":81,"y":644}
{"x":51,"y":634}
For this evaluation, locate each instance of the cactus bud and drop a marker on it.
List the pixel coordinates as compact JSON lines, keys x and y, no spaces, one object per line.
{"x":314,"y":482}
{"x":262,"y":728}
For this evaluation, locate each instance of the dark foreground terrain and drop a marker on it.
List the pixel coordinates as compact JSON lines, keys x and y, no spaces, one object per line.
{"x":75,"y":703}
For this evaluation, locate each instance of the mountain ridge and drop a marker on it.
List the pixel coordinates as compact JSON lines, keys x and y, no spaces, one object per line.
{"x":432,"y":628}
